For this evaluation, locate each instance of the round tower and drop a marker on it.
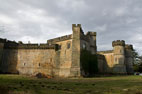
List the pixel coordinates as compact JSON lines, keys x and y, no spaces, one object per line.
{"x":119,"y":57}
{"x":129,"y":58}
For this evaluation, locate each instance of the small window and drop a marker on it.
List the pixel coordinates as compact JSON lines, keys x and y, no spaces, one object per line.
{"x":39,"y":64}
{"x":60,"y":47}
{"x":68,"y":45}
{"x":57,"y":47}
{"x":115,"y":59}
{"x":24,"y":64}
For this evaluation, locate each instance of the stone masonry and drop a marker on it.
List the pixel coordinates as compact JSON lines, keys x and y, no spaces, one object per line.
{"x":61,"y":57}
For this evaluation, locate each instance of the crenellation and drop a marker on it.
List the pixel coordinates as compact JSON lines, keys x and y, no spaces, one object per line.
{"x":104,"y":52}
{"x":62,"y":56}
{"x":129,"y":47}
{"x":84,"y":37}
{"x":76,"y":25}
{"x":91,"y":33}
{"x":118,"y":43}
{"x":59,"y":39}
{"x":36,"y":46}
{"x":20,"y":42}
{"x":3,"y":40}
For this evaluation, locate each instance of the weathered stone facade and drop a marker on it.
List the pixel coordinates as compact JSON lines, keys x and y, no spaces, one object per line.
{"x":119,"y":60}
{"x":61,"y":57}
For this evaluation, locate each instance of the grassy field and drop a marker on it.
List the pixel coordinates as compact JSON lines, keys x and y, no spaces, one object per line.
{"x":14,"y":84}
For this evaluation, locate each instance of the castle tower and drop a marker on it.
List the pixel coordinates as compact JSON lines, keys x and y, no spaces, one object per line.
{"x":2,"y":41}
{"x":93,"y":46}
{"x":129,"y":59}
{"x":75,"y":67}
{"x":119,"y":57}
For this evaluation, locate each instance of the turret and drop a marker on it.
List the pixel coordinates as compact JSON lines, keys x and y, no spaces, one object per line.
{"x":119,"y":57}
{"x":129,"y":58}
{"x":93,"y":46}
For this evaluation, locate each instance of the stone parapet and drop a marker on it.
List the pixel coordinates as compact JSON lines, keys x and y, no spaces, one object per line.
{"x":118,"y":43}
{"x":100,"y":56}
{"x":128,"y":47}
{"x":84,"y":37}
{"x":76,"y":25}
{"x":91,"y":33}
{"x":63,"y":38}
{"x":2,"y":40}
{"x":14,"y":45}
{"x":103,"y":52}
{"x":30,"y":46}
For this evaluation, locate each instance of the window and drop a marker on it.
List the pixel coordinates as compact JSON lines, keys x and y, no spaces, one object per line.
{"x":39,"y":64}
{"x":57,"y":47}
{"x":24,"y":64}
{"x":68,"y":45}
{"x":115,"y":59}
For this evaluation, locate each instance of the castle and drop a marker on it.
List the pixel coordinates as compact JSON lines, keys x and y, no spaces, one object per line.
{"x":72,"y":55}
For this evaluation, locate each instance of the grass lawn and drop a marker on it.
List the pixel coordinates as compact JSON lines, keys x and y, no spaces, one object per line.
{"x":15,"y":84}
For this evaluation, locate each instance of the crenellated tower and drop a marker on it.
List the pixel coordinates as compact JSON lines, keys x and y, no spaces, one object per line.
{"x":76,"y":50}
{"x":93,"y":46}
{"x":119,"y":57}
{"x":129,"y":58}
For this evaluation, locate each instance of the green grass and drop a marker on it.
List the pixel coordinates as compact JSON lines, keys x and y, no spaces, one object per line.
{"x":15,"y":84}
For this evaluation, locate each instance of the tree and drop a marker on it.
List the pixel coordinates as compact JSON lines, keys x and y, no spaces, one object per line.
{"x":137,"y":61}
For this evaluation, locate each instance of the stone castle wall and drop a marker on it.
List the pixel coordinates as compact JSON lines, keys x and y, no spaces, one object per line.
{"x":108,"y":61}
{"x":62,"y":56}
{"x":129,"y":58}
{"x":53,"y":58}
{"x":34,"y":61}
{"x":119,"y":60}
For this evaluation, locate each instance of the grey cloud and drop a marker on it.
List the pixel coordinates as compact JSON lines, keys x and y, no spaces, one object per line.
{"x":38,"y":21}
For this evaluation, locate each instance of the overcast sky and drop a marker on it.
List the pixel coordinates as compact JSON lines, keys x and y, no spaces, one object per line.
{"x":39,"y":20}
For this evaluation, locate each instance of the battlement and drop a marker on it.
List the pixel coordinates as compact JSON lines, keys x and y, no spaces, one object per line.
{"x":91,"y":33}
{"x":105,"y":52}
{"x":29,"y":46}
{"x":129,"y":47}
{"x":2,"y":40}
{"x":76,"y":25}
{"x":14,"y":45}
{"x":100,"y":57}
{"x":36,"y":46}
{"x":118,"y":43}
{"x":63,"y":38}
